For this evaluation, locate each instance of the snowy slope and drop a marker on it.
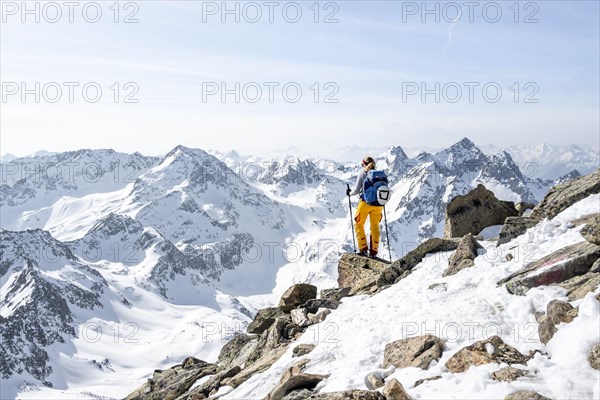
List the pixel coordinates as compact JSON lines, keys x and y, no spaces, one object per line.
{"x":350,"y":343}
{"x":193,"y":239}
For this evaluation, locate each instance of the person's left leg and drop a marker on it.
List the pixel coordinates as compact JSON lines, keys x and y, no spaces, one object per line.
{"x":375,"y":215}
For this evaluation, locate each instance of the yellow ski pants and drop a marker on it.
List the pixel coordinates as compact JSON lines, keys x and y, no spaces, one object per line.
{"x":374,"y":213}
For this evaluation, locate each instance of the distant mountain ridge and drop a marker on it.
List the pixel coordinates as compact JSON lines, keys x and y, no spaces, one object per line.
{"x":223,"y":233}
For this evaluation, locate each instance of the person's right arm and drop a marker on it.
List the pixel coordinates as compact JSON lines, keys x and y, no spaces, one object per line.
{"x":359,"y":183}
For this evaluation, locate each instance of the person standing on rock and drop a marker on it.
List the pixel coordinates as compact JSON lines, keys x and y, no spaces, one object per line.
{"x":364,"y":210}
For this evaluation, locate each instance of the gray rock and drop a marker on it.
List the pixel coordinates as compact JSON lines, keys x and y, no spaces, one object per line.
{"x":358,"y":273}
{"x":413,"y":352}
{"x":523,"y":206}
{"x":237,"y":350}
{"x":375,"y":381}
{"x":438,"y":287}
{"x":562,"y":196}
{"x":264,"y":319}
{"x":474,"y":211}
{"x":508,"y":374}
{"x":397,"y":269}
{"x":303,"y":349}
{"x":558,"y":311}
{"x":525,"y":395}
{"x":514,"y":227}
{"x":296,"y":295}
{"x":173,"y":382}
{"x":578,"y":286}
{"x":594,"y":356}
{"x":313,"y":305}
{"x":291,"y":381}
{"x":213,"y":384}
{"x":546,"y":329}
{"x":591,"y":232}
{"x":570,"y":261}
{"x":319,"y":317}
{"x":463,"y":256}
{"x":345,"y":395}
{"x":422,"y":381}
{"x":300,"y":317}
{"x":335,"y":294}
{"x":394,"y":390}
{"x":491,"y":350}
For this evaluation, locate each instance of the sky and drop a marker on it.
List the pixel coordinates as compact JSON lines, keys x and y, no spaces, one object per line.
{"x":255,"y":76}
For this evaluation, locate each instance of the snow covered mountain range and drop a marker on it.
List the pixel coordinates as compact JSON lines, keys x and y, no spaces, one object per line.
{"x":106,"y":257}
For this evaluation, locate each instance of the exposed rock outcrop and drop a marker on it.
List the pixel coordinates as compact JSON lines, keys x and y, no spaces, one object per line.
{"x":413,"y":352}
{"x":296,"y":295}
{"x":359,"y":273}
{"x":508,"y":374}
{"x":591,"y":231}
{"x":563,"y":264}
{"x":173,"y":382}
{"x":403,"y":266}
{"x":562,"y":196}
{"x":463,"y":256}
{"x":474,"y":211}
{"x":525,"y":395}
{"x":514,"y":227}
{"x":344,"y":395}
{"x":393,"y":390}
{"x":491,"y":350}
{"x":594,"y":356}
{"x":335,"y":294}
{"x":523,"y":206}
{"x":264,"y":319}
{"x":295,"y":379}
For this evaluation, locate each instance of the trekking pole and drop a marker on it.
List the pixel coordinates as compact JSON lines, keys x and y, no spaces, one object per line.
{"x":387,"y":236}
{"x":351,"y":220}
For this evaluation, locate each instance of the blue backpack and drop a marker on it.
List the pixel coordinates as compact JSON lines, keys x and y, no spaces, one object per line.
{"x":375,"y":188}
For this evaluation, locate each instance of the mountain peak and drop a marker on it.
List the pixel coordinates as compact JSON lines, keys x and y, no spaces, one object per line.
{"x":464,"y":143}
{"x":398,"y":151}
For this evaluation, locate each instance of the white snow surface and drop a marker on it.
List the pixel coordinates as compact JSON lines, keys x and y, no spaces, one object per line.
{"x":350,"y":343}
{"x":197,"y":317}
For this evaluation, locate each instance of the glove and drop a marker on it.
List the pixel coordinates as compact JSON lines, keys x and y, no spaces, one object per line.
{"x":348,"y":191}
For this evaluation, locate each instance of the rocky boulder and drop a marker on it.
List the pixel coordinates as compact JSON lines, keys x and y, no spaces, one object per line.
{"x":413,"y":352}
{"x":296,"y":295}
{"x":594,"y":356}
{"x":508,"y":374}
{"x":173,"y":382}
{"x":204,"y":390}
{"x":491,"y":350}
{"x":514,"y":227}
{"x":295,"y":379}
{"x":562,"y":196}
{"x":474,"y":211}
{"x":237,"y":351}
{"x":258,"y":355}
{"x":313,"y":305}
{"x":359,"y":273}
{"x":345,"y":395}
{"x":563,"y":264}
{"x":393,"y":390}
{"x":525,"y":395}
{"x":303,"y":349}
{"x":398,"y":268}
{"x":264,"y":319}
{"x":335,"y":294}
{"x":463,"y":256}
{"x":591,"y":231}
{"x":522,"y":206}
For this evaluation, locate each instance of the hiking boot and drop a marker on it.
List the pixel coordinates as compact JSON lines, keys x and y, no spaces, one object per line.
{"x":372,"y":253}
{"x":363,"y":253}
